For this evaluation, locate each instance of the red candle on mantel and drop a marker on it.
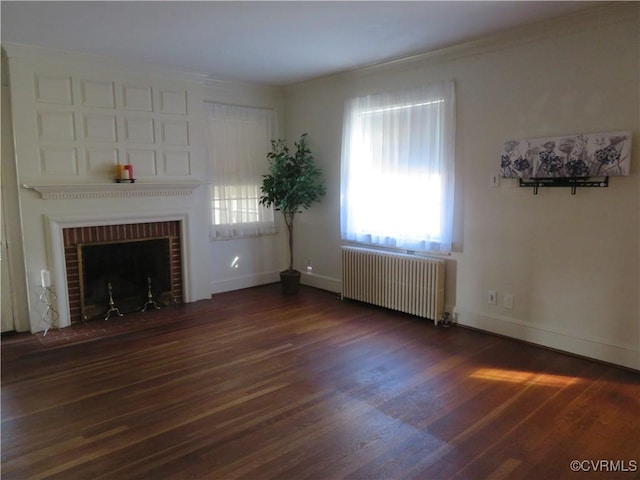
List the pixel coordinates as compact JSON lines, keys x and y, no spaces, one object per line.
{"x":129,"y":169}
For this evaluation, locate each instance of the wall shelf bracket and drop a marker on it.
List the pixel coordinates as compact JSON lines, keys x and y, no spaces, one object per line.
{"x":570,"y":182}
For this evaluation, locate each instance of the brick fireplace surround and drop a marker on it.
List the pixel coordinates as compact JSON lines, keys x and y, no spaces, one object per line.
{"x":109,"y":233}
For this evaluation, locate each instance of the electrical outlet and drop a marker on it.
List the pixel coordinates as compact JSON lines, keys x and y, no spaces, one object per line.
{"x":492,"y":298}
{"x":309,"y":266}
{"x":507,"y":301}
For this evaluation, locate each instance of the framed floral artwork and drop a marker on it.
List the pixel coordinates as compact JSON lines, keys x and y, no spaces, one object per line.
{"x":569,"y":156}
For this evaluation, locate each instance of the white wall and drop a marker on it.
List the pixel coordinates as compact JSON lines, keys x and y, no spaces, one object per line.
{"x":572,"y":262}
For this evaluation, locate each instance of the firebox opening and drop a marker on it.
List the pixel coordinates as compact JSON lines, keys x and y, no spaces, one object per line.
{"x":133,"y":269}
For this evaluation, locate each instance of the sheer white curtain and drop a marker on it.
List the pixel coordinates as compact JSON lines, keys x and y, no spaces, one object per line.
{"x":397,"y":173}
{"x":239,"y":139}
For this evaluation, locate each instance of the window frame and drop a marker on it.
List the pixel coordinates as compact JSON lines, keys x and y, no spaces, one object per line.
{"x":239,"y":167}
{"x":409,"y":150}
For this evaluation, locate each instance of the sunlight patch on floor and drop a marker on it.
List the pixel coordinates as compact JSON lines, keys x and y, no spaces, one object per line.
{"x":516,"y":376}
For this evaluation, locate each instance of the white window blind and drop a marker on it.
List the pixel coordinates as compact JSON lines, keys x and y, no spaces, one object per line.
{"x":239,"y":139}
{"x":397,"y":171}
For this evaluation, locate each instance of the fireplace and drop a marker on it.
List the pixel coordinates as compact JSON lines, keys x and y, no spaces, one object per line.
{"x":124,"y":276}
{"x":129,"y":258}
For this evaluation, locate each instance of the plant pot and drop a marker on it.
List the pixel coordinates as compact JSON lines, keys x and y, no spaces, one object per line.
{"x":290,"y":281}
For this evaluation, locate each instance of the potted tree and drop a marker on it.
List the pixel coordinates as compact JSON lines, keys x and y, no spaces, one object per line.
{"x":291,"y":186}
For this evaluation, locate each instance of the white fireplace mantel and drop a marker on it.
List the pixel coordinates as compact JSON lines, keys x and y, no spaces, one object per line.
{"x":113,"y":190}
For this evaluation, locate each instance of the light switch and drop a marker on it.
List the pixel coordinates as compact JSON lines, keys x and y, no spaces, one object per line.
{"x":495,"y":180}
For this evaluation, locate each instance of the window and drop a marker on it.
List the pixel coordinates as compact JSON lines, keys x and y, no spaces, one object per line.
{"x":397,"y":169}
{"x":239,"y":140}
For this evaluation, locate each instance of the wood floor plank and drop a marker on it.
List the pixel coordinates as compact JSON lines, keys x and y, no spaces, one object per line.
{"x":255,"y":384}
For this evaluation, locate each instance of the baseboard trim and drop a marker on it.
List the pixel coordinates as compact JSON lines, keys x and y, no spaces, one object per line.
{"x":321,"y":281}
{"x":247,"y":281}
{"x":620,"y":355}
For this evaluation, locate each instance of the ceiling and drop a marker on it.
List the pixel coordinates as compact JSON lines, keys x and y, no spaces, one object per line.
{"x":269,"y":42}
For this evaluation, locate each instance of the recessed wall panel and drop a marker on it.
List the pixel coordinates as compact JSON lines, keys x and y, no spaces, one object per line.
{"x":102,"y":161}
{"x":56,"y":125}
{"x":175,"y":133}
{"x":97,"y":94}
{"x":49,"y":89}
{"x":137,"y":98}
{"x":173,"y":102}
{"x":176,"y":163}
{"x":100,"y":128}
{"x":58,"y":161}
{"x":143,"y":161}
{"x":139,"y":130}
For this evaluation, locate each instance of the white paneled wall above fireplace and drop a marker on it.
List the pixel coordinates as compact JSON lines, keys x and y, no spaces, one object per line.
{"x":78,"y":120}
{"x":85,"y":131}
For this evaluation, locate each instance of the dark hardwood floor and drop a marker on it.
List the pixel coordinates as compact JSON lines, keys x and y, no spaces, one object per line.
{"x":254,"y":385}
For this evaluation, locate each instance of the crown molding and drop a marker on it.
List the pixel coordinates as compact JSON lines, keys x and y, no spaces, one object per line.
{"x":598,"y":16}
{"x":44,"y":54}
{"x":594,"y":17}
{"x":81,"y":59}
{"x":233,"y":87}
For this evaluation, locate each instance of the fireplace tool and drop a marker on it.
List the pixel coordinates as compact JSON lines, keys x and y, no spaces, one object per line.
{"x":150,"y":301}
{"x":112,"y":305}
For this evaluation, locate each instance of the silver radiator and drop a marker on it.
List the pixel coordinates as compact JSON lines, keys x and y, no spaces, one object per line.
{"x":407,"y":283}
